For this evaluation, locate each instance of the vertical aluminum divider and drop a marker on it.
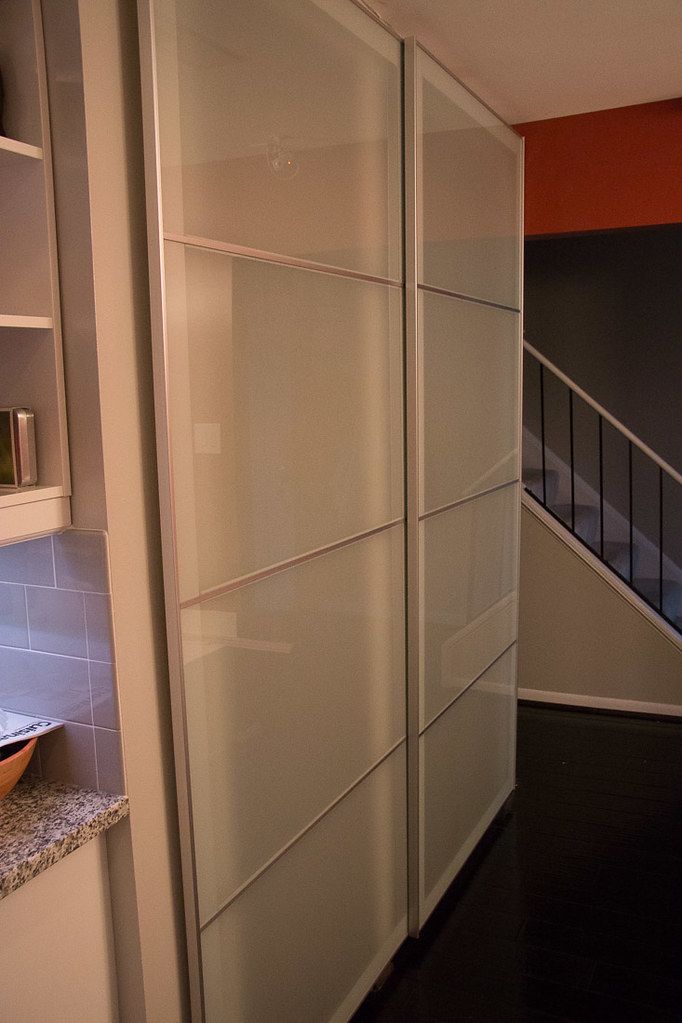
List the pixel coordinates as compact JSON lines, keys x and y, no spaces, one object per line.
{"x":541,"y":370}
{"x":412,"y":488}
{"x":168,"y":535}
{"x":630,"y":526}
{"x":519,"y":427}
{"x":660,"y":541}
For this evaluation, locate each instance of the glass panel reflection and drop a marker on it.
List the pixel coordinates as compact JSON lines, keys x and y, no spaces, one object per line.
{"x":294,"y":687}
{"x":468,"y":750}
{"x":470,"y":192}
{"x":286,"y":400}
{"x":281,"y":129}
{"x":470,"y":399}
{"x":470,"y":593}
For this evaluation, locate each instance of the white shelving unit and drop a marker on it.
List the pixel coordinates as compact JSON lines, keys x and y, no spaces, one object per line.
{"x":30,"y":331}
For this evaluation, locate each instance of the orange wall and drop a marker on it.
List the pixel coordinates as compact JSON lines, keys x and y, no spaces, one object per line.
{"x":606,"y":169}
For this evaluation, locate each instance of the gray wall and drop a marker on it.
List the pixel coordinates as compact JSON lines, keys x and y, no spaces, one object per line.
{"x":606,"y":308}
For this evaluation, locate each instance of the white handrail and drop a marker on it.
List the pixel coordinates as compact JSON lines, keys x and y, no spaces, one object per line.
{"x":604,"y":413}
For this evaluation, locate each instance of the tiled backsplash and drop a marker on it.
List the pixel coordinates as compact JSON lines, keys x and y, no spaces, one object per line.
{"x":56,"y":654}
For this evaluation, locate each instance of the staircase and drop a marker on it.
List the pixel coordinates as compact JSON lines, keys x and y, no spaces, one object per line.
{"x":599,"y":481}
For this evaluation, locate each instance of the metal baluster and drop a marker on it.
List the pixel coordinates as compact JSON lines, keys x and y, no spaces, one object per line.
{"x":542,"y":432}
{"x":601,"y":487}
{"x":660,"y":539}
{"x":570,"y":427}
{"x":632,"y":557}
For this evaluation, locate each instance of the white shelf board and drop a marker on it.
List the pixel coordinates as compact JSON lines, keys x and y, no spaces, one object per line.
{"x":26,"y":322}
{"x":19,"y":148}
{"x":27,"y":495}
{"x":33,"y":513}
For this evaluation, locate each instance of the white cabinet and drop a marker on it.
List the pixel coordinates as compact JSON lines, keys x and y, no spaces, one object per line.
{"x":59,"y":962}
{"x":31,"y":372}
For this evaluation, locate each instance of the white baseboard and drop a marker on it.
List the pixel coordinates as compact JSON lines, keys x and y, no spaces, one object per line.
{"x":600,"y":702}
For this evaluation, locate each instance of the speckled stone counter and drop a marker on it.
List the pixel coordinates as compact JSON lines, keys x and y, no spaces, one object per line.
{"x":41,"y":822}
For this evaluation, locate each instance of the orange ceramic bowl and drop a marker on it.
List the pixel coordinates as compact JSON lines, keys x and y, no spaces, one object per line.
{"x":12,"y":769}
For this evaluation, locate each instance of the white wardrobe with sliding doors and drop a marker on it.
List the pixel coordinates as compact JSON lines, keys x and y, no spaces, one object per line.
{"x":463,"y":341}
{"x":292,"y":366}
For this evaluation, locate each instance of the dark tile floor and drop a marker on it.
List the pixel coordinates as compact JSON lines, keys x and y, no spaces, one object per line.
{"x":571,"y":908}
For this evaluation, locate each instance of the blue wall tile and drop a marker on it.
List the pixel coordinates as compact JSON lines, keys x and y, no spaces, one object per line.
{"x":13,"y":624}
{"x":37,"y":683}
{"x":98,"y":623}
{"x":29,"y":562}
{"x":80,"y":558}
{"x":56,"y":621}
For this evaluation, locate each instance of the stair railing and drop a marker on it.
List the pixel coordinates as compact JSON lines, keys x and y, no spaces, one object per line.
{"x":664,"y":470}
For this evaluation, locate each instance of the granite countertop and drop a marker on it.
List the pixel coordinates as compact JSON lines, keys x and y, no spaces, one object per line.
{"x":41,"y":822}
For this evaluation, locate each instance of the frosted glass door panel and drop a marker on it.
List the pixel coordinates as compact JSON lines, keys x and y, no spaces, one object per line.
{"x":286,"y":388}
{"x":294,"y":688}
{"x":307,"y":939}
{"x":279,"y":332}
{"x":469,"y":593}
{"x":470,"y":192}
{"x":470,"y":363}
{"x":280,"y":129}
{"x":468,"y":767}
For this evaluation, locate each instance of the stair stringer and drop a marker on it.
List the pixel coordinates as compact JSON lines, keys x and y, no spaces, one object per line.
{"x":585,"y":638}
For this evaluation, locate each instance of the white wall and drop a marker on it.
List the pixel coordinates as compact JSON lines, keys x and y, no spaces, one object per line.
{"x":580,"y":640}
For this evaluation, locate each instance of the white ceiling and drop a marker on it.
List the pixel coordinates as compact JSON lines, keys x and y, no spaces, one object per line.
{"x":533,"y":59}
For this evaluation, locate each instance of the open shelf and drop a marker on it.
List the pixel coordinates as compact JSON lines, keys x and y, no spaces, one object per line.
{"x":31,"y":369}
{"x":26,"y":322}
{"x":14,"y":147}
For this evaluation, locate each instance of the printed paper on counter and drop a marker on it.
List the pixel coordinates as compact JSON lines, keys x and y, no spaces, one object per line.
{"x":20,"y":727}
